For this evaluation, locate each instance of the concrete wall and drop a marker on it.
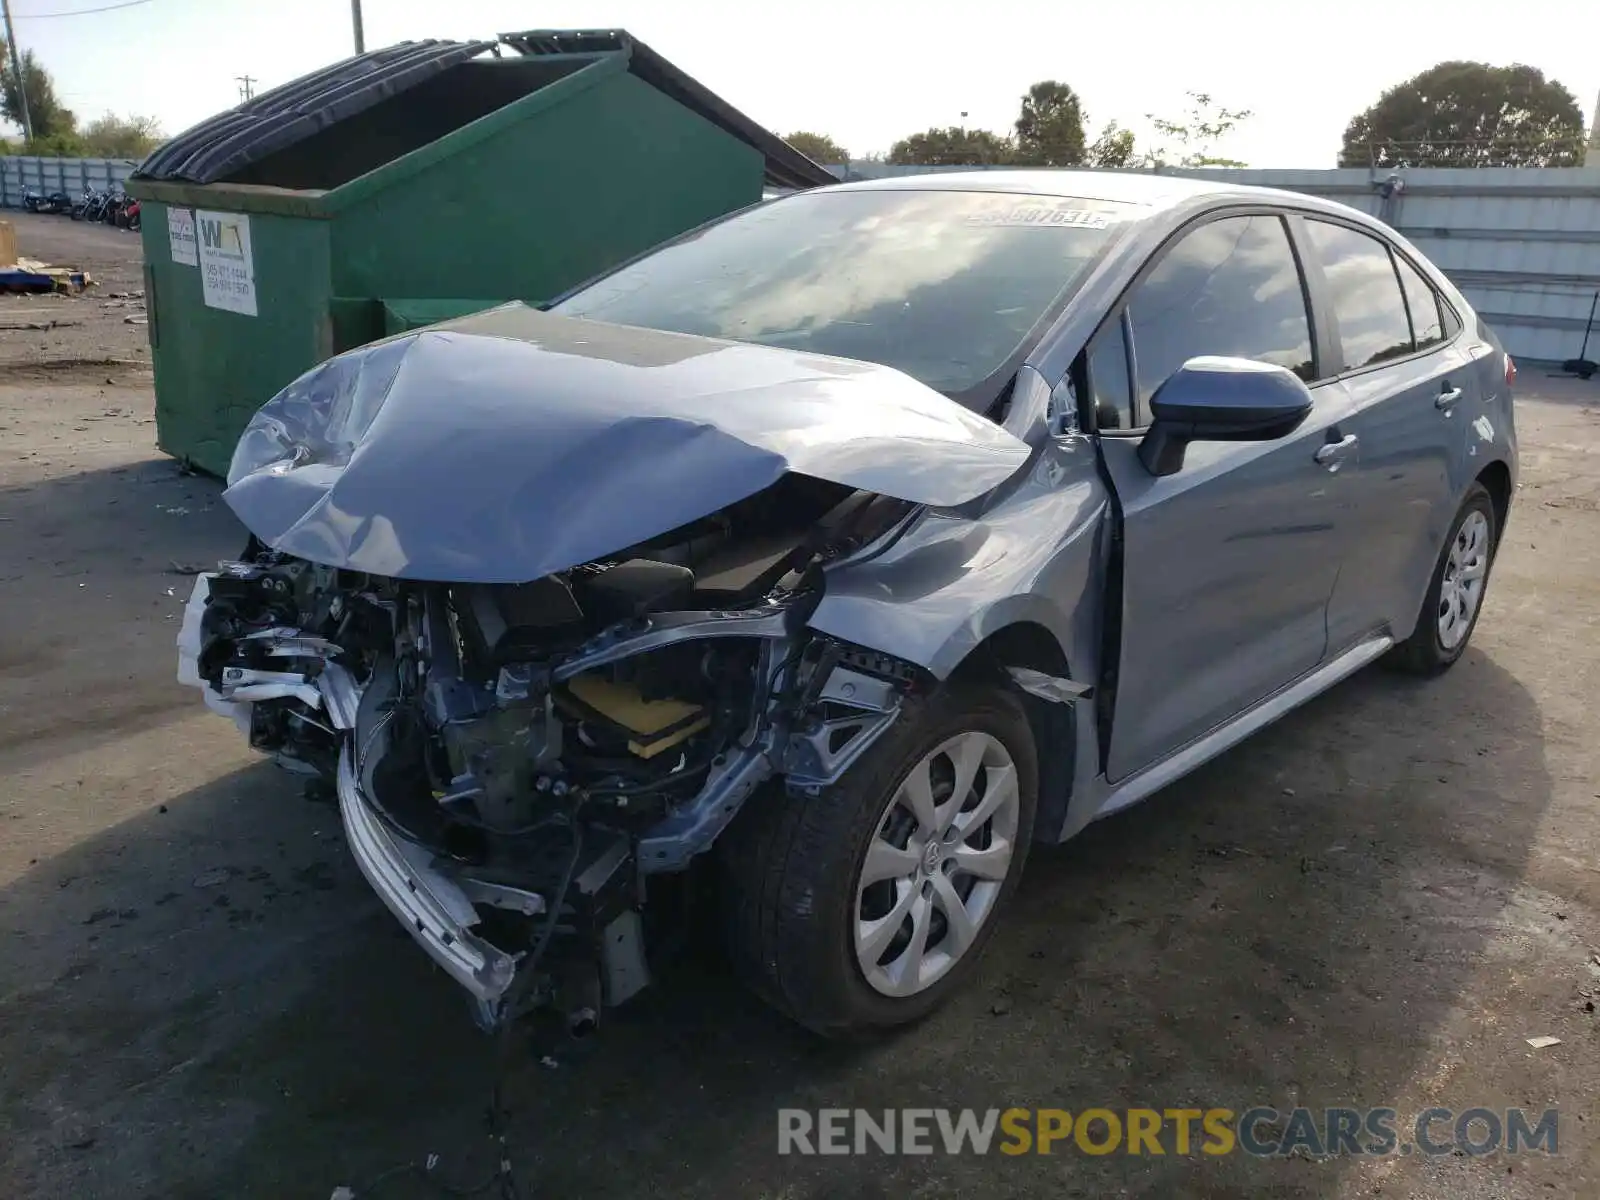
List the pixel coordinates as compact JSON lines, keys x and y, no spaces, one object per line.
{"x":73,"y":176}
{"x":1522,"y":243}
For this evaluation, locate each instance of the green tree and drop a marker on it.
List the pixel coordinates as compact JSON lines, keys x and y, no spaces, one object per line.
{"x":1468,"y":114}
{"x":50,"y":118}
{"x":818,"y":147}
{"x":1112,"y":149}
{"x":1050,"y":127}
{"x":1190,"y":140}
{"x":952,"y":147}
{"x":57,"y":145}
{"x":111,"y":136}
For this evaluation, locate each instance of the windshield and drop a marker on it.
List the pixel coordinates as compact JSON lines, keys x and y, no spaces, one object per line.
{"x":945,"y":286}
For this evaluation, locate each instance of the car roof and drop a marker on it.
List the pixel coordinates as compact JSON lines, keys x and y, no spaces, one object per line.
{"x":1151,"y":190}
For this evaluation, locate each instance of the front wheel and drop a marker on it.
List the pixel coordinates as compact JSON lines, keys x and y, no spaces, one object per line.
{"x":1455,"y":594}
{"x":866,"y":907}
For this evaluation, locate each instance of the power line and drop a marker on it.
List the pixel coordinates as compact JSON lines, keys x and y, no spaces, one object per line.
{"x":77,"y":12}
{"x":247,"y":90}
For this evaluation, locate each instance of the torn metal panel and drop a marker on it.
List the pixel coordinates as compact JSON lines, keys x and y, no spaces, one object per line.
{"x":1049,"y":687}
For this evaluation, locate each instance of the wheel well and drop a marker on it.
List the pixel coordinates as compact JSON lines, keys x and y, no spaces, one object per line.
{"x":1025,"y":644}
{"x":1029,"y":644}
{"x":1496,"y":480}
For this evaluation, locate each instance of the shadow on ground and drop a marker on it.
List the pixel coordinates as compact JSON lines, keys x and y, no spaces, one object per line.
{"x":94,"y":571}
{"x":207,"y":1002}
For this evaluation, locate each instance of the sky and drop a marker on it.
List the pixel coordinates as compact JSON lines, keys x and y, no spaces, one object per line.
{"x":865,"y":72}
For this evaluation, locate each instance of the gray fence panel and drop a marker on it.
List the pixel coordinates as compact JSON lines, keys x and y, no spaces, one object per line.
{"x":71,"y":175}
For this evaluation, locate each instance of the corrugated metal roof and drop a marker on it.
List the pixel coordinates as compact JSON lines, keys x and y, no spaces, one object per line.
{"x":219,"y":147}
{"x":786,"y":167}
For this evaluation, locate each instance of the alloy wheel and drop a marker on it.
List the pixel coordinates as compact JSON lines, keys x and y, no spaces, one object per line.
{"x":1466,"y":570}
{"x":937,"y":861}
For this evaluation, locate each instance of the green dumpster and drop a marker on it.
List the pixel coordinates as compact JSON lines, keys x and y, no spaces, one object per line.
{"x":414,"y":184}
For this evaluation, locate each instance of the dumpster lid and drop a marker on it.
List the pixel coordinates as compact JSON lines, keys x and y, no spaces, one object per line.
{"x":786,"y":167}
{"x":219,"y":147}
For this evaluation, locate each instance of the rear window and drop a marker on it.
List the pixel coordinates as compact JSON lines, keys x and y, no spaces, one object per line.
{"x":945,"y":286}
{"x":1427,"y":320}
{"x":1373,"y":324}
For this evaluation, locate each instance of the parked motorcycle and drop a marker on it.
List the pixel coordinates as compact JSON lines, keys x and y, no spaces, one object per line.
{"x":87,"y":208}
{"x":55,"y":202}
{"x":124,"y":209}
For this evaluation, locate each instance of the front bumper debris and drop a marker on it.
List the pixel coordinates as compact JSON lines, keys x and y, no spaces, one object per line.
{"x":434,"y":909}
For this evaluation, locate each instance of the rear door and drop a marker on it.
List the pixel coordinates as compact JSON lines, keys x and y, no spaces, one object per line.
{"x":1410,"y":389}
{"x":1228,"y":564}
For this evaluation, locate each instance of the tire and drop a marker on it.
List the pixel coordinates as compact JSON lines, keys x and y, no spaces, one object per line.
{"x":792,"y":869}
{"x":1428,"y":651}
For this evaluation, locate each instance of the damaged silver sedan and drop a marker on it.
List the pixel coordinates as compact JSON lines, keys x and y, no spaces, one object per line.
{"x":847,"y":546}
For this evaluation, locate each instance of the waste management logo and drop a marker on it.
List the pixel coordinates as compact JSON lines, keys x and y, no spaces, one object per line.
{"x":1258,"y":1132}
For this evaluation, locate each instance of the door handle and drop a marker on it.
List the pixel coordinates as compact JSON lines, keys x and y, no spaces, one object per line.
{"x":1447,"y":399}
{"x":1336,"y":452}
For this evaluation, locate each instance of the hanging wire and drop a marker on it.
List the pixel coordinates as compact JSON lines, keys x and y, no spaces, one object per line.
{"x":77,"y":12}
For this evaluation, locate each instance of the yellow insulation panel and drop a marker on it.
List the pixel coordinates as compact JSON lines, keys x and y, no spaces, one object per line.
{"x":659,"y":724}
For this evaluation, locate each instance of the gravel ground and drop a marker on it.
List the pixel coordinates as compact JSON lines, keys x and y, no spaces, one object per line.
{"x":1375,"y":902}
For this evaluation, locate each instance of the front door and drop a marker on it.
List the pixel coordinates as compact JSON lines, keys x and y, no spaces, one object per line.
{"x":1228,"y":564}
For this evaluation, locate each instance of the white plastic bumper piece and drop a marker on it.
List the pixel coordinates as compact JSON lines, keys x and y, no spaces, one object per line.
{"x":238,"y":711}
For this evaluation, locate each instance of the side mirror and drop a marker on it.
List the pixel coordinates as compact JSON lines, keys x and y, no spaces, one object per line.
{"x":1221,"y":400}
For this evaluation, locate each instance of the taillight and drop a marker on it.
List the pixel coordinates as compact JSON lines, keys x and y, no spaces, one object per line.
{"x":1511,"y":371}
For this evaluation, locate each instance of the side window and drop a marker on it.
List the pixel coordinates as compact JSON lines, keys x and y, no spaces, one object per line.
{"x":1110,"y":390}
{"x":1231,"y":287}
{"x":1427,"y":324}
{"x":1373,"y":326}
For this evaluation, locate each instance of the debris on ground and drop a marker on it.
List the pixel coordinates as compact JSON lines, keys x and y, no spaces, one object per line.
{"x":30,"y":275}
{"x":1539,"y":1043}
{"x":38,"y":326}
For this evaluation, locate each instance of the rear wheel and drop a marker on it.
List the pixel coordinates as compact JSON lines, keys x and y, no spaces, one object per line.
{"x":1455,"y":595}
{"x":866,"y":907}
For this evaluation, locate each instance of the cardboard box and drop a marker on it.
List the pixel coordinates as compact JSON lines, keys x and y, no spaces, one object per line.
{"x":8,"y":244}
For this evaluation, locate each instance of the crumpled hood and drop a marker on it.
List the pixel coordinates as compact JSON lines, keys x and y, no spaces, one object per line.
{"x":504,"y":446}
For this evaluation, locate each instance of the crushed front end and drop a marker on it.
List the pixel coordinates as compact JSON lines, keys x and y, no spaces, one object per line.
{"x":520,"y":767}
{"x":528,"y":595}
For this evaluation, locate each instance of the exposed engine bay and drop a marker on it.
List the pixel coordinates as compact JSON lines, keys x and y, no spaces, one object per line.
{"x":522,"y":764}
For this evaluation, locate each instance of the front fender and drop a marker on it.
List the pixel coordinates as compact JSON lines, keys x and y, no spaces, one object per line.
{"x":950,"y":581}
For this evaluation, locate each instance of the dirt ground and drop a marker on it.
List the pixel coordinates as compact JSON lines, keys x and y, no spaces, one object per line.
{"x":102,"y":324}
{"x":1373,"y":903}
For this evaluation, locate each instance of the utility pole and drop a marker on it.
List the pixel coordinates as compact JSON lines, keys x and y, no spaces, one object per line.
{"x":15,"y":54}
{"x":355,"y":22}
{"x":247,"y":91}
{"x":1591,"y":156}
